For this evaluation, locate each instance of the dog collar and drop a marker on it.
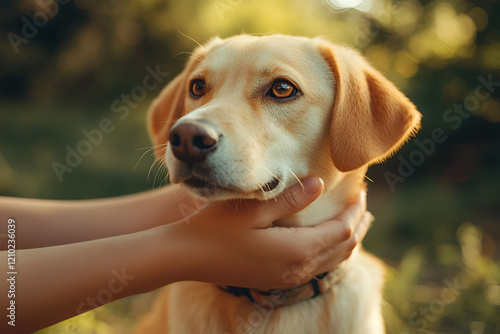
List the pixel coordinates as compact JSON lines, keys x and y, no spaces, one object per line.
{"x":271,"y":299}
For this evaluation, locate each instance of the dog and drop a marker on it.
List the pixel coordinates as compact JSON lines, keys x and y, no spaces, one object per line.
{"x":249,"y":116}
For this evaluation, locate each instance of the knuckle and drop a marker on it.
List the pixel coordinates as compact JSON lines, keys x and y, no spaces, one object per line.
{"x":347,"y":231}
{"x":291,"y":200}
{"x":351,"y":245}
{"x":347,"y":254}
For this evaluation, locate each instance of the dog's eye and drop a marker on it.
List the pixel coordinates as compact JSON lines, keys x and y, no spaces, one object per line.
{"x":282,"y":89}
{"x":198,"y":88}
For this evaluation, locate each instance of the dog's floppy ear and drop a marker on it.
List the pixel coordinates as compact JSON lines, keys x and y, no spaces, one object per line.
{"x":165,"y":110}
{"x":371,"y":118}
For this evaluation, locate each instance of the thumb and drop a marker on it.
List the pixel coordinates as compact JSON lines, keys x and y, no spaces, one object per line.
{"x":296,"y":197}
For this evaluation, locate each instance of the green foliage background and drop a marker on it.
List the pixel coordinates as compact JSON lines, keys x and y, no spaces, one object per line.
{"x":438,"y":227}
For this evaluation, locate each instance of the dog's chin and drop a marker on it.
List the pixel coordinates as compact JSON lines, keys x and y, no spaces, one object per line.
{"x":213,"y":191}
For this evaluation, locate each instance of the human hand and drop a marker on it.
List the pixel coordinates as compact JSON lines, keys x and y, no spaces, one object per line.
{"x":234,"y":242}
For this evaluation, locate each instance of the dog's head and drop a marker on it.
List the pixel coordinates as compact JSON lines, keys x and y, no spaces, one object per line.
{"x":249,"y":115}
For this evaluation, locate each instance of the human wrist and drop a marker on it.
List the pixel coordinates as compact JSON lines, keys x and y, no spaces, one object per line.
{"x":149,"y":258}
{"x":171,"y":254}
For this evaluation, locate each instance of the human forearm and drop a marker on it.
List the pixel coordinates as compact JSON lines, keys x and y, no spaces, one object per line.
{"x":55,"y":283}
{"x":43,"y":223}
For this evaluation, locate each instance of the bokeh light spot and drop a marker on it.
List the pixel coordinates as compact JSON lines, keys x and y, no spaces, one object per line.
{"x":363,"y":5}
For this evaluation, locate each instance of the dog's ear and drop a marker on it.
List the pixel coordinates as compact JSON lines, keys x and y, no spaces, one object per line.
{"x":371,"y":118}
{"x":165,"y":110}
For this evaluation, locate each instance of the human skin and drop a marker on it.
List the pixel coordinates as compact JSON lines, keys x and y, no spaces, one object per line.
{"x":67,"y":252}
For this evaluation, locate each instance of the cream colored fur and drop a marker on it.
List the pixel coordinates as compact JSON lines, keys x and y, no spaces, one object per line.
{"x":346,"y":117}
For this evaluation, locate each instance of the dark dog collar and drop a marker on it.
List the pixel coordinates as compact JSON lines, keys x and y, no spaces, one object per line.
{"x":271,"y":299}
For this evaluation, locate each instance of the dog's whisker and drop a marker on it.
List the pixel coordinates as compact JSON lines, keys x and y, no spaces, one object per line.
{"x":149,"y":171}
{"x":150,"y":147}
{"x":164,"y":170}
{"x":296,"y":177}
{"x":198,"y":57}
{"x":142,"y":156}
{"x":159,"y":171}
{"x":366,"y":177}
{"x":191,"y":54}
{"x":167,"y":175}
{"x":263,"y":191}
{"x":262,"y":33}
{"x":183,"y":53}
{"x":157,"y":161}
{"x":188,"y":37}
{"x":155,"y":175}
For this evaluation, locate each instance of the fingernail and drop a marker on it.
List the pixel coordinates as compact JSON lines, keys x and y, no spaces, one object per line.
{"x":312,"y":185}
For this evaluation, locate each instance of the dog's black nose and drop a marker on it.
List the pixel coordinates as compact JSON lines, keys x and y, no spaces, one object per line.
{"x":191,"y":141}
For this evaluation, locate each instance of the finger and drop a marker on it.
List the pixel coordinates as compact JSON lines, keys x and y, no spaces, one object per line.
{"x":352,"y":222}
{"x":341,"y":252}
{"x":353,"y":213}
{"x":295,"y":198}
{"x":346,"y":247}
{"x":328,"y":266}
{"x":335,"y":231}
{"x":319,"y":264}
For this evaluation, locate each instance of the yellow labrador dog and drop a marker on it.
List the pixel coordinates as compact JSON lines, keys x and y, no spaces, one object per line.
{"x":246,"y":118}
